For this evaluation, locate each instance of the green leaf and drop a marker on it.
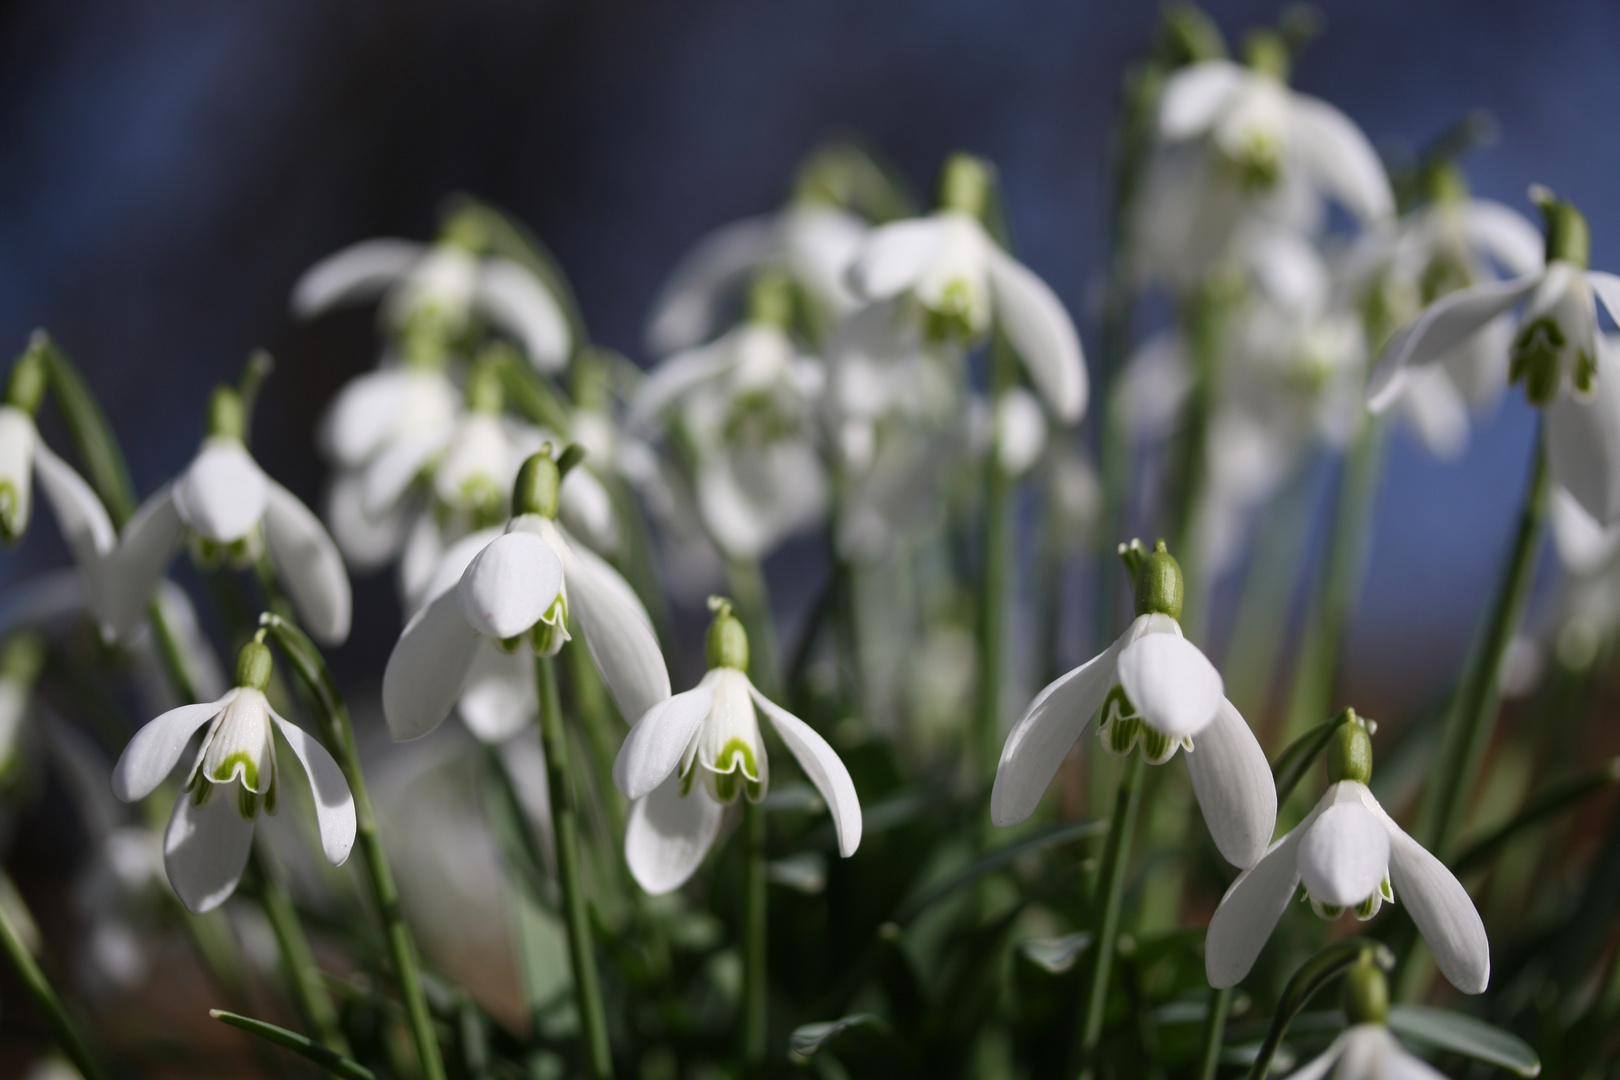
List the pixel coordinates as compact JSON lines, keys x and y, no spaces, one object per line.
{"x":312,"y":670}
{"x":1310,"y":977}
{"x":808,"y":1038}
{"x":328,"y":1059}
{"x":98,"y":448}
{"x":995,"y":860}
{"x":1553,"y":799}
{"x":1296,"y":758}
{"x":1055,"y":955}
{"x":1464,"y":1035}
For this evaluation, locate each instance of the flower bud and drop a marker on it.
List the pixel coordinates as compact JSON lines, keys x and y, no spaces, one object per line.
{"x":1366,"y":993}
{"x":1159,"y":587}
{"x":25,"y":389}
{"x":1349,"y":755}
{"x":770,"y":299}
{"x":253,"y":666}
{"x":535,"y":491}
{"x":485,"y":394}
{"x":727,"y":642}
{"x":226,"y":419}
{"x":1568,"y":238}
{"x":964,"y":185}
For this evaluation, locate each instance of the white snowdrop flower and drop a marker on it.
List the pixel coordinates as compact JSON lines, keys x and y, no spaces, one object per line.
{"x":1367,"y":1049}
{"x":521,"y":585}
{"x":1351,"y":856}
{"x":1565,"y":364}
{"x":1155,"y":688}
{"x":225,"y":506}
{"x":690,"y":754}
{"x":432,"y":292}
{"x":232,"y":780}
{"x":964,"y":281}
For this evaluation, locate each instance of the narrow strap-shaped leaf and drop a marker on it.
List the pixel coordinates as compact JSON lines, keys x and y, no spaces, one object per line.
{"x":98,"y":448}
{"x":1291,"y":765}
{"x":532,"y":394}
{"x":1312,"y":975}
{"x":1558,"y":796}
{"x":327,"y":1058}
{"x":1464,"y":1035}
{"x":995,"y":859}
{"x":808,"y":1038}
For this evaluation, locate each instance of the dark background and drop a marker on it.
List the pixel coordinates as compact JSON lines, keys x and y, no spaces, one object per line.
{"x":167,"y":170}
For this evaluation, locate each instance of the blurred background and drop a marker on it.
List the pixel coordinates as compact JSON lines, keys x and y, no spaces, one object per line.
{"x":169,"y":170}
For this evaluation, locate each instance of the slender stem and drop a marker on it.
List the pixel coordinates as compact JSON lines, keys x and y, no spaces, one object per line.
{"x":1201,"y":320}
{"x":1472,"y":717}
{"x":303,"y":974}
{"x":753,"y":599}
{"x":1109,"y":893}
{"x":1220,"y":1004}
{"x":995,"y":576}
{"x":570,"y":875}
{"x":67,"y":1033}
{"x":753,"y":991}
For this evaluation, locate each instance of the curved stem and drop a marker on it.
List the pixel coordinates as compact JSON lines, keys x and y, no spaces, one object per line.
{"x":754,"y":915}
{"x":39,"y":988}
{"x":570,"y":874}
{"x":1220,"y":1004}
{"x":1109,"y":893}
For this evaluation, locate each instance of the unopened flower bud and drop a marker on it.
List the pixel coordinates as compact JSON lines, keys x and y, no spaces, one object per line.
{"x":727,"y":643}
{"x":1366,"y":993}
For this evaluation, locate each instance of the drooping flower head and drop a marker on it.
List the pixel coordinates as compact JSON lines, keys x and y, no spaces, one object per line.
{"x":232,"y":780}
{"x":1366,"y":1050}
{"x":693,"y":753}
{"x":1156,"y":690}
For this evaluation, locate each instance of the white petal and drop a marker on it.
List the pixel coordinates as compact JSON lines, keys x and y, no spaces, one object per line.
{"x":1172,"y":684}
{"x":356,"y":273}
{"x":509,"y":585}
{"x":151,"y":755}
{"x":206,"y":849}
{"x":1505,"y":235}
{"x":523,"y":306}
{"x":1195,"y":94}
{"x":1250,"y":909}
{"x":895,"y":256}
{"x":1336,"y":155}
{"x":498,"y":698}
{"x":1039,"y":327}
{"x":366,"y":541}
{"x":1041,"y":739}
{"x":1234,"y":787}
{"x":1444,"y":325}
{"x":136,"y":564}
{"x":1439,"y":905}
{"x":222,"y":494}
{"x":1582,"y":544}
{"x":362,"y":416}
{"x":309,"y":566}
{"x":586,"y":506}
{"x":689,"y":304}
{"x":1583,"y":441}
{"x":1607,"y":289}
{"x":668,"y":835}
{"x":670,"y":380}
{"x":334,"y":805}
{"x":1437,"y":412}
{"x":1400,"y":1063}
{"x":616,"y":629}
{"x":451,"y":564}
{"x":655,"y":744}
{"x":1343,"y":856}
{"x":391,"y":472}
{"x":1318,"y":1066}
{"x":79,"y":514}
{"x":427,"y":668}
{"x":1020,"y":431}
{"x":824,"y":768}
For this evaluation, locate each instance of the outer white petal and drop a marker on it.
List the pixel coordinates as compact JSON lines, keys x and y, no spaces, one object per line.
{"x":308,"y":563}
{"x":587,"y":508}
{"x":1437,"y":411}
{"x":1344,"y":855}
{"x":1583,"y":441}
{"x":1338,"y":157}
{"x":152,"y":754}
{"x":367,"y":542}
{"x":671,"y":379}
{"x":451,"y":564}
{"x":334,"y":805}
{"x":668,"y":835}
{"x":427,"y":668}
{"x":509,"y":585}
{"x":222,"y":494}
{"x":655,"y":744}
{"x":1251,"y":907}
{"x":1039,"y":327}
{"x":1582,"y":544}
{"x":824,"y":768}
{"x":1041,"y":739}
{"x":498,"y":698}
{"x":136,"y":564}
{"x":206,"y":849}
{"x":391,"y":472}
{"x":1439,"y":905}
{"x":1318,"y":1066}
{"x":79,"y":514}
{"x":895,"y":256}
{"x":1606,"y":286}
{"x":523,"y":305}
{"x":1195,"y":95}
{"x":1234,"y":787}
{"x":1444,"y":325}
{"x":1399,"y":1063}
{"x":689,"y":305}
{"x":1172,"y":683}
{"x":1021,"y":431}
{"x":1505,"y":235}
{"x":354,"y":274}
{"x":362,"y":416}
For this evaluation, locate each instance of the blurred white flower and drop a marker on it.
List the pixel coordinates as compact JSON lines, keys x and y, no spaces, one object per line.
{"x":1367,"y":1052}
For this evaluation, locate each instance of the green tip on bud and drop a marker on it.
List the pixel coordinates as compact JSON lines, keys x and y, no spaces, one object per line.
{"x":1266,"y":52}
{"x":1366,"y":993}
{"x":535,"y":491}
{"x":1157,"y":578}
{"x":964,"y":185}
{"x":226,"y":418}
{"x":25,"y":389}
{"x":770,"y":299}
{"x":1349,"y":755}
{"x":727,"y":643}
{"x":253,"y":665}
{"x":485,"y":391}
{"x":1568,"y":238}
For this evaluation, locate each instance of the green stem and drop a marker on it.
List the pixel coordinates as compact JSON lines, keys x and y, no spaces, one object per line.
{"x":315,"y":1005}
{"x":1310,"y":977}
{"x":1109,"y":894}
{"x":67,"y":1033}
{"x":570,"y":875}
{"x":753,"y":990}
{"x":1220,"y":1005}
{"x":1201,"y":321}
{"x":1472,"y":717}
{"x":753,"y":599}
{"x":995,"y":577}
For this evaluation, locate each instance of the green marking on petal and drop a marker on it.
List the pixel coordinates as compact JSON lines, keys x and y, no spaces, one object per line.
{"x":1386,"y":890}
{"x":1326,"y":911}
{"x":1157,"y":747}
{"x":1534,"y":358}
{"x":735,"y":769}
{"x":247,"y":804}
{"x":548,"y":636}
{"x":227,"y":769}
{"x":1369,"y":907}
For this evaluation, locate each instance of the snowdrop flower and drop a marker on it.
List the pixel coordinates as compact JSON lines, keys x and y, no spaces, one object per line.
{"x":431,"y":293}
{"x":229,"y":510}
{"x":1350,"y":856}
{"x":1366,"y":1050}
{"x":691,"y":754}
{"x":520,"y":588}
{"x":232,"y":780}
{"x":1557,"y":353}
{"x":963,"y":281}
{"x":1154,"y":688}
